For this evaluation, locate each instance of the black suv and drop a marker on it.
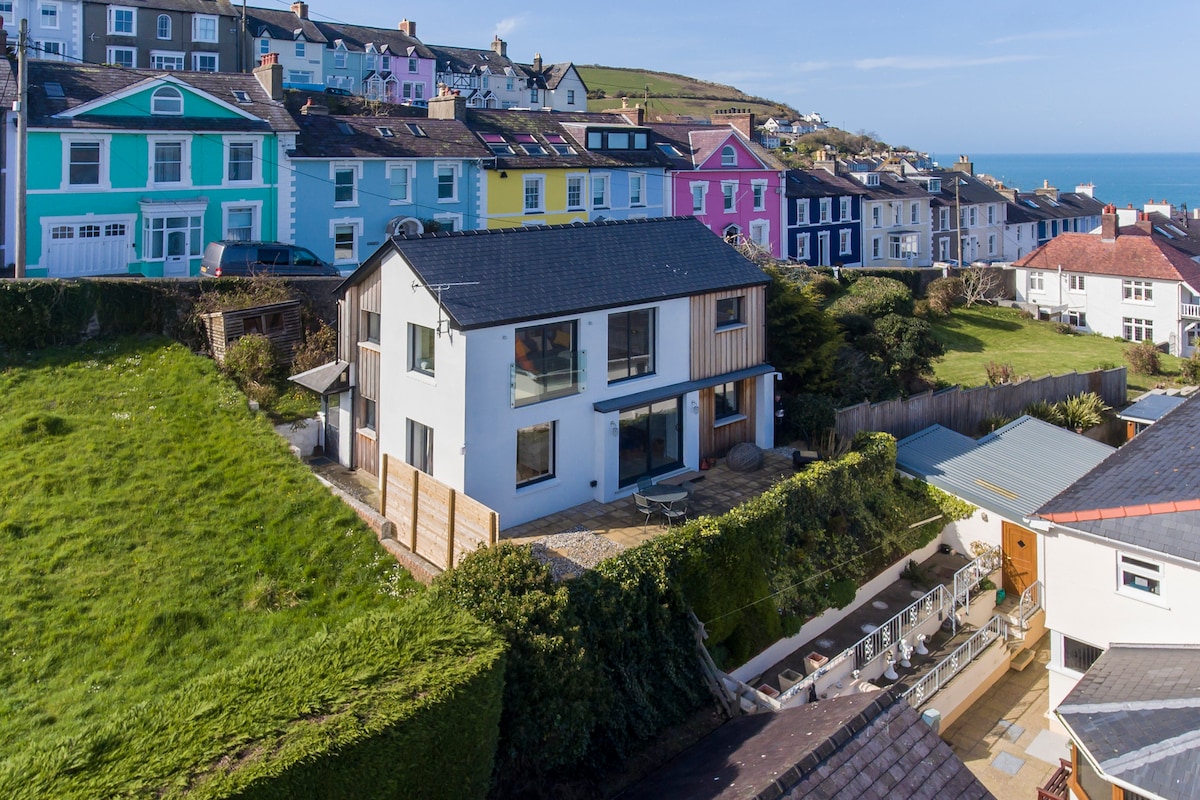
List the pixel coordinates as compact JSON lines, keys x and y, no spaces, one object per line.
{"x":236,"y":258}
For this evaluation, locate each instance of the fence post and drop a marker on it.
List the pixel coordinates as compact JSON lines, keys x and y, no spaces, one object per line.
{"x":413,"y":510}
{"x":383,"y":488}
{"x":493,"y":528}
{"x":450,"y":530}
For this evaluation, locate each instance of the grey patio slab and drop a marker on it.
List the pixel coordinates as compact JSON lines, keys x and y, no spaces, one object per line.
{"x":1008,"y":763}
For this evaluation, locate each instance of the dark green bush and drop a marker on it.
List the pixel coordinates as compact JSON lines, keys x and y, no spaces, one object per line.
{"x":874,"y":297}
{"x":1189,"y":370}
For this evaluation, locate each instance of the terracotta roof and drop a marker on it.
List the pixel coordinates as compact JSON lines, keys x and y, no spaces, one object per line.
{"x":1133,"y":254}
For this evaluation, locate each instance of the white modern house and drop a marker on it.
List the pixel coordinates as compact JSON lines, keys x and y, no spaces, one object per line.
{"x":1129,"y":282}
{"x":539,"y":368}
{"x":1120,"y":550}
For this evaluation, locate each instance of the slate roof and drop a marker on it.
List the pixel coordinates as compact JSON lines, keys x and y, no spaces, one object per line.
{"x":1068,"y":206}
{"x":83,"y":84}
{"x":893,"y":187}
{"x":1009,"y":471}
{"x":819,"y":183}
{"x":696,"y":143}
{"x":510,"y":124}
{"x":538,"y":272}
{"x":357,"y":37}
{"x":1133,"y":254}
{"x":221,"y":7}
{"x":282,"y":24}
{"x":971,"y":190}
{"x":1147,"y":493}
{"x":322,"y":136}
{"x":472,"y":61}
{"x":1136,"y":713}
{"x":866,"y":746}
{"x":554,"y":74}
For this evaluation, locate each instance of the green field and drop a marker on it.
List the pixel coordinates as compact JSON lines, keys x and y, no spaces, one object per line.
{"x":975,"y":336}
{"x":664,"y":93}
{"x":155,"y":533}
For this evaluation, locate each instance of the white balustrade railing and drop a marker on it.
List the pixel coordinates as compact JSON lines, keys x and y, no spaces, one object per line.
{"x":995,"y":630}
{"x":935,"y":603}
{"x":1031,"y":602}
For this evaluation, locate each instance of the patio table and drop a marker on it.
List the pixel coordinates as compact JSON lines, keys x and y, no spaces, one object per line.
{"x":664,"y":495}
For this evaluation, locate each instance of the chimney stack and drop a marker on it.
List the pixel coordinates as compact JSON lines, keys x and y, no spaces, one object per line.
{"x":964,"y":164}
{"x":635,"y":115}
{"x":1088,"y":189}
{"x":447,"y":105}
{"x":499,"y":47}
{"x":311,"y":109}
{"x":537,"y":63}
{"x":300,"y":10}
{"x":1108,"y":224}
{"x":408,"y":27}
{"x":1046,"y":190}
{"x":825,"y":160}
{"x":1144,"y":223}
{"x":270,"y":75}
{"x":740,"y":119}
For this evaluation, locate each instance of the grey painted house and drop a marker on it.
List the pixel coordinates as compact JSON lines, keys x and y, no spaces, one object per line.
{"x":196,"y":35}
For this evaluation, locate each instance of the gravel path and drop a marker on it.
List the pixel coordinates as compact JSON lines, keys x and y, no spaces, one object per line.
{"x":569,"y":554}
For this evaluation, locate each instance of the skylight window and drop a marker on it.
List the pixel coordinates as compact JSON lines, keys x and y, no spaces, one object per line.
{"x":1030,"y":203}
{"x":414,"y":129}
{"x":386,"y":133}
{"x":1163,"y":232}
{"x":240,"y":96}
{"x":497,"y":144}
{"x":524,"y":138}
{"x":344,"y":128}
{"x":669,"y":149}
{"x":54,"y":89}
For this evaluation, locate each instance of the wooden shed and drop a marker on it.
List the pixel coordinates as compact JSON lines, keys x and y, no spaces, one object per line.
{"x":279,"y":322}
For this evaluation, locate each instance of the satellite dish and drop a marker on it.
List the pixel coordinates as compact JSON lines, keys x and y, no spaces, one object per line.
{"x":405,"y":226}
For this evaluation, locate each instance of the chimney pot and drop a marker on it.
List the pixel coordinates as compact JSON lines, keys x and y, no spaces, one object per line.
{"x":408,"y":27}
{"x":300,"y":10}
{"x":270,"y":74}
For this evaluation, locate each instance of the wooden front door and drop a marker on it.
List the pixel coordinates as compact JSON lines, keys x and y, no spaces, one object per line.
{"x":1020,"y":557}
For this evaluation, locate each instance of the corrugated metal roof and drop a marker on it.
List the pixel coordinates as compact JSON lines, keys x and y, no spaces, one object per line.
{"x":1012,"y":471}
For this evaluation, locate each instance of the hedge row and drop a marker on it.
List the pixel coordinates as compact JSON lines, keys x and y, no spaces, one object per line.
{"x":602,"y":663}
{"x":397,"y":704}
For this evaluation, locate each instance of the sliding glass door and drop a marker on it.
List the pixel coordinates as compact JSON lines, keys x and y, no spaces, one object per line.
{"x":651,"y":440}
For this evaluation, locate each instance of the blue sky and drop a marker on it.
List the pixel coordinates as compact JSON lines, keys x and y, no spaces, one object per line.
{"x":1006,"y":76}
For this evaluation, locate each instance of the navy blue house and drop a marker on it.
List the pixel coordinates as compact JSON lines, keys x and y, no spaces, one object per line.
{"x":824,"y":219}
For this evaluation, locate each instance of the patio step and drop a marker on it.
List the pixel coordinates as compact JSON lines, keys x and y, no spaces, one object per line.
{"x":1022,"y":660}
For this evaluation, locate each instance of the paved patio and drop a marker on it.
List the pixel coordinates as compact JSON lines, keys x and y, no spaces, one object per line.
{"x":711,"y":492}
{"x":1004,"y":738}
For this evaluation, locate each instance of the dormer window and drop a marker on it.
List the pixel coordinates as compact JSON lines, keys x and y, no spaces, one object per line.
{"x":166,"y":100}
{"x":616,"y":140}
{"x":935,"y":185}
{"x":728,"y":156}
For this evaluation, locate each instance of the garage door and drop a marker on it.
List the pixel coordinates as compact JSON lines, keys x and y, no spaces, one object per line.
{"x":87,"y":248}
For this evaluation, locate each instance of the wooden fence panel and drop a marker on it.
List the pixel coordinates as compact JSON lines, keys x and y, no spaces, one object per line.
{"x":965,"y":410}
{"x":433,"y":520}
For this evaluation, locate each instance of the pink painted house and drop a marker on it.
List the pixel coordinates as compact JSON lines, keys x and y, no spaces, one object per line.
{"x":718,"y":176}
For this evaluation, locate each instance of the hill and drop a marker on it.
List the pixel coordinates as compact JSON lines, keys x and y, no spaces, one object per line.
{"x":666,"y":93}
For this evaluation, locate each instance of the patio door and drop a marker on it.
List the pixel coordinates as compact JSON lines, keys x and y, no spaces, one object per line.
{"x":1020,"y":557}
{"x":651,"y":440}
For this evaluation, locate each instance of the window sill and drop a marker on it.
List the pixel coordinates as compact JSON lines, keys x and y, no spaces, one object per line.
{"x":732,"y":418}
{"x":1144,"y":597}
{"x":551,"y":482}
{"x":367,"y":433}
{"x":733,"y":326}
{"x":426,"y":378}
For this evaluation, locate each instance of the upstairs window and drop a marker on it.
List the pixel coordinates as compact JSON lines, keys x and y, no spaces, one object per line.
{"x":345,"y":188}
{"x":728,"y":156}
{"x":1138,"y":291}
{"x":547,"y":363}
{"x":339,"y":59}
{"x":121,"y":21}
{"x":84,"y":167}
{"x":49,"y":15}
{"x":204,"y":28}
{"x":168,"y":162}
{"x":575,"y":192}
{"x":630,"y":344}
{"x":729,"y":312}
{"x":371,"y":321}
{"x":421,"y":349}
{"x":1139,"y":576}
{"x":166,"y":100}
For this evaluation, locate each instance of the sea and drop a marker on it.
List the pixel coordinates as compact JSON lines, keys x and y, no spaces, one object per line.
{"x":1120,"y":178}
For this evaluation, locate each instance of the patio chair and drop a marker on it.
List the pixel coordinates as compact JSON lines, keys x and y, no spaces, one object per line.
{"x":644,"y":483}
{"x":675,"y":511}
{"x":645,"y":506}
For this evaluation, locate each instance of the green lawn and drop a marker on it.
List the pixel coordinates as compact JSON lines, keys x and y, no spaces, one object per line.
{"x":668,"y":93}
{"x":975,"y":336}
{"x":155,"y":533}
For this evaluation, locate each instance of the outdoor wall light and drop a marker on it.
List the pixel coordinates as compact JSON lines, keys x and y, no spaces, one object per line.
{"x":613,"y":429}
{"x":695,"y":407}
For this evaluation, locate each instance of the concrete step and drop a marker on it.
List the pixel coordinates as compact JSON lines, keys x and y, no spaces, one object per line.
{"x":1022,"y":660}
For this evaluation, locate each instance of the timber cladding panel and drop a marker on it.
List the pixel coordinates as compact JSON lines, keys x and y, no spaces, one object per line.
{"x":737,"y":347}
{"x":433,"y":520}
{"x":366,"y":450}
{"x":716,"y":441}
{"x":279,"y":322}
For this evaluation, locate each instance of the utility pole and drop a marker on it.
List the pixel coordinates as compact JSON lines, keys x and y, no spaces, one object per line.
{"x":22,"y":135}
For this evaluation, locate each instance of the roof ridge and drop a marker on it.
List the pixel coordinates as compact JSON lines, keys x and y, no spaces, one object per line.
{"x":529,"y":228}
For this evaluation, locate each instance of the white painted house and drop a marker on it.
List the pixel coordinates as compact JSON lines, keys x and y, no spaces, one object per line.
{"x":1128,"y":282}
{"x":540,"y":368}
{"x":1120,"y":550}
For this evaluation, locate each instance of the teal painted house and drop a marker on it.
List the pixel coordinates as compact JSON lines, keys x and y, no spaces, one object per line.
{"x":134,"y":171}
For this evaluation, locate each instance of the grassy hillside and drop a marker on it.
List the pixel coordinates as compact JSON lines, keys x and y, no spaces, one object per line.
{"x":975,"y":336}
{"x":667,"y":93}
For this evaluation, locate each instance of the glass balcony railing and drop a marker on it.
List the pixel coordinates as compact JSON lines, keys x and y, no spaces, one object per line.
{"x":555,"y":376}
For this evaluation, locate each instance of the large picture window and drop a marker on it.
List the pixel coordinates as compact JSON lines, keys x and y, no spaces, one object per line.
{"x":630,"y":344}
{"x":535,"y":453}
{"x":546,"y":363}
